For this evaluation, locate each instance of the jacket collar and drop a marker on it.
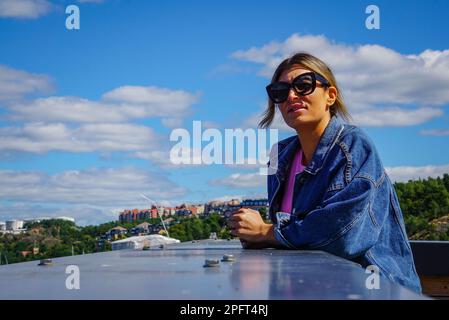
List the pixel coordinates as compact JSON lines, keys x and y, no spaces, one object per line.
{"x":289,"y":146}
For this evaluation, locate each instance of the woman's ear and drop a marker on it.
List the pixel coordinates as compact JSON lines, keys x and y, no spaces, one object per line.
{"x":331,"y":96}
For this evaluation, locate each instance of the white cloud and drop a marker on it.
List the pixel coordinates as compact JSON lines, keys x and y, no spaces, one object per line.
{"x":368,"y":117}
{"x":398,"y":174}
{"x":83,"y":215}
{"x":405,"y":173}
{"x":162,"y":157}
{"x":26,"y":9}
{"x":240,"y":180}
{"x":121,"y":104}
{"x":172,"y":122}
{"x":228,"y":198}
{"x":75,"y":124}
{"x":41,"y":137}
{"x":435,"y":132}
{"x":248,"y":164}
{"x":247,"y":195}
{"x":16,"y":84}
{"x":371,"y":77}
{"x":70,"y":109}
{"x":278,"y":122}
{"x":95,"y":187}
{"x":383,"y":117}
{"x":91,"y":1}
{"x":158,"y":101}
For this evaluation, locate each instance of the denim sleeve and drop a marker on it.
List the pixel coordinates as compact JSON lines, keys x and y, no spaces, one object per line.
{"x":343,"y":226}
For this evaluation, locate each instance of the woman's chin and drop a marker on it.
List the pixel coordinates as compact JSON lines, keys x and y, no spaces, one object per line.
{"x":298,"y":121}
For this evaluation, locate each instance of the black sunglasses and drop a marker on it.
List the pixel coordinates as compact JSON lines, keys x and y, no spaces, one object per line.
{"x":303,"y":85}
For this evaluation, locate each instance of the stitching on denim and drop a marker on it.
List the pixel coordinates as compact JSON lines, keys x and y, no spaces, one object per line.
{"x":371,"y":213}
{"x":337,"y":138}
{"x":395,"y":211}
{"x":370,"y":178}
{"x":348,"y":166}
{"x":382,"y":269}
{"x":337,"y":186}
{"x":336,"y":141}
{"x":403,"y":231}
{"x":341,"y":232}
{"x":381,"y":179}
{"x":366,"y":177}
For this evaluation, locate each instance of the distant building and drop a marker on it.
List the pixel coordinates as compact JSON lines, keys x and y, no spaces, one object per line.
{"x":169,"y":211}
{"x":115,"y":232}
{"x":256,"y":205}
{"x":223,"y":208}
{"x":259,"y":203}
{"x":154,"y":213}
{"x":143,"y":228}
{"x":14,"y":225}
{"x":140,"y":242}
{"x":199,"y":209}
{"x":183,"y":212}
{"x":2,"y":226}
{"x":144,"y":214}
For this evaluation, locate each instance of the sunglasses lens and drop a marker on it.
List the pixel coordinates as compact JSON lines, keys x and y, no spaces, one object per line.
{"x":304,"y":84}
{"x":278,"y":92}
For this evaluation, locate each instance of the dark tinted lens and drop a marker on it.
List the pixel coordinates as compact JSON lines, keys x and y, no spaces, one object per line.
{"x":278,"y":91}
{"x":304,"y":84}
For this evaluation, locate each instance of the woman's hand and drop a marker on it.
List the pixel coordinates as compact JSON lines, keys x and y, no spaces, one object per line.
{"x":248,"y":225}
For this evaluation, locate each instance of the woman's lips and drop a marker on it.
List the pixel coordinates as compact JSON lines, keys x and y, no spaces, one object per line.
{"x":295,"y":107}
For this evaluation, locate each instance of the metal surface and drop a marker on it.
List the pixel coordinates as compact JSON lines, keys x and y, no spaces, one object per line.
{"x":177,"y":272}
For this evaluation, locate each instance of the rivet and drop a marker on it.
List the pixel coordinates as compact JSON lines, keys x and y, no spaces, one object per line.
{"x":46,"y":262}
{"x":211,"y":263}
{"x":228,"y":258}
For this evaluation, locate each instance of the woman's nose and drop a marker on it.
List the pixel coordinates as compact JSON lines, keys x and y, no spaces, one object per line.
{"x":292,"y":95}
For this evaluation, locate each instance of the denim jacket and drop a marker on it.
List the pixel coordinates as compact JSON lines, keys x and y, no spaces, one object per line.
{"x":343,"y":203}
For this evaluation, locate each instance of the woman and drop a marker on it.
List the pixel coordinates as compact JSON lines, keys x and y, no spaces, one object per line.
{"x":330,"y":191}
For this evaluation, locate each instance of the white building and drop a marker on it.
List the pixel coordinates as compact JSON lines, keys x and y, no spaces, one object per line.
{"x":140,"y":242}
{"x":14,"y":225}
{"x":2,"y":226}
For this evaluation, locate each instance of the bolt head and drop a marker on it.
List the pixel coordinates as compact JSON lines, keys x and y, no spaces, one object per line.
{"x":211,"y":263}
{"x":228,"y":258}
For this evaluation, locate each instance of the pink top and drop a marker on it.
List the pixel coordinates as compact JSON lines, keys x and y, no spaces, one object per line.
{"x":295,"y":168}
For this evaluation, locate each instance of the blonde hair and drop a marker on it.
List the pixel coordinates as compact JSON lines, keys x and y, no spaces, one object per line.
{"x":312,"y":63}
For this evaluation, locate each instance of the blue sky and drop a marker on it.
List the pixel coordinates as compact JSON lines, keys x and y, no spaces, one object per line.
{"x":86,"y":114}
